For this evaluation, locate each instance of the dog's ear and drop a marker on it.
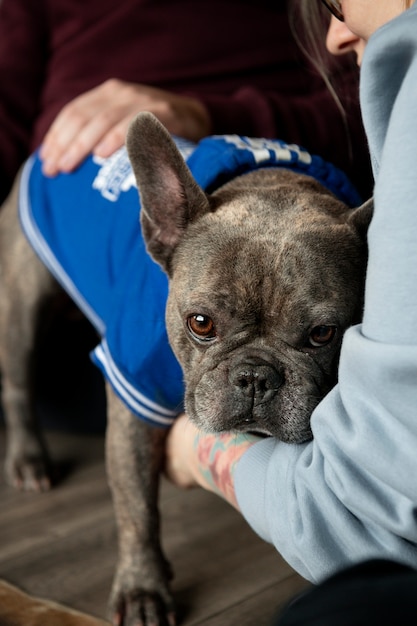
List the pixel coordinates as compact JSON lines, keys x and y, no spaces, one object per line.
{"x":360,"y":218}
{"x":170,"y":197}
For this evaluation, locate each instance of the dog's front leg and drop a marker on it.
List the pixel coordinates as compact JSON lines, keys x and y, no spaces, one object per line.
{"x":134,"y":456}
{"x":25,"y":288}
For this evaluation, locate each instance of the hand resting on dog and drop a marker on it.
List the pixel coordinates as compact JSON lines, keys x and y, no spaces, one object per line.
{"x":97,"y":121}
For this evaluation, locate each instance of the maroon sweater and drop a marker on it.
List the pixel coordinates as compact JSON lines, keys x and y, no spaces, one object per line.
{"x":236,"y":56}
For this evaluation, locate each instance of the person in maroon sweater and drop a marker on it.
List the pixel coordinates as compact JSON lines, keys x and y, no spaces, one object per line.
{"x":232,"y":66}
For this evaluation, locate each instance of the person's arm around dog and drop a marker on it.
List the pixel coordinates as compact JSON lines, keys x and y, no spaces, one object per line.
{"x":196,"y":459}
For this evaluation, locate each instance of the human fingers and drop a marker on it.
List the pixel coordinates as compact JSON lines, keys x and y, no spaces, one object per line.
{"x":97,"y":121}
{"x":66,"y":128}
{"x":114,"y":138}
{"x":68,"y":158}
{"x":83,"y":123}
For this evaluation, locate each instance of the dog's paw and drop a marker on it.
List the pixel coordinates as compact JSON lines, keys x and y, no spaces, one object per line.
{"x":148,"y":604}
{"x":140,"y":607}
{"x":29,"y":472}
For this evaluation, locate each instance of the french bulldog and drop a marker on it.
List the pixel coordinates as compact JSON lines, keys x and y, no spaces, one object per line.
{"x":265,"y":275}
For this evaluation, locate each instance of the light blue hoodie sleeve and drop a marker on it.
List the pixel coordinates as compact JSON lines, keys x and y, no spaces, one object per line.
{"x":351,"y":493}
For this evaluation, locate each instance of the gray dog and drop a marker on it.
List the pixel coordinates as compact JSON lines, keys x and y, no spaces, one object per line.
{"x":265,"y":275}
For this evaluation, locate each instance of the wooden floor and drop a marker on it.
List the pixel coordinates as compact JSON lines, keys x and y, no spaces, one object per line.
{"x":62,"y":545}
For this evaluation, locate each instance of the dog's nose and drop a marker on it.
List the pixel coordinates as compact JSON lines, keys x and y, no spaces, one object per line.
{"x":258,"y":381}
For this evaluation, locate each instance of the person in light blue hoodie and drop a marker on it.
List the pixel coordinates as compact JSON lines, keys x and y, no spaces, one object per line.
{"x":350,"y":494}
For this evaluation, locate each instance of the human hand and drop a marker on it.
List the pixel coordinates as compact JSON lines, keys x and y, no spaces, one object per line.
{"x":97,"y":121}
{"x":181,"y":460}
{"x":195,"y":458}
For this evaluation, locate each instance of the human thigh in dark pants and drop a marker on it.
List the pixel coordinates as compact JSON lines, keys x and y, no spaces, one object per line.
{"x":372,"y":593}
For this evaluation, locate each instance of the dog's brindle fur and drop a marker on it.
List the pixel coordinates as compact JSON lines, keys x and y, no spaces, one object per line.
{"x":262,"y":274}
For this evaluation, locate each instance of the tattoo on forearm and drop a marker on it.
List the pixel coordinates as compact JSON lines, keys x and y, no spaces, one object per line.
{"x":217,"y":457}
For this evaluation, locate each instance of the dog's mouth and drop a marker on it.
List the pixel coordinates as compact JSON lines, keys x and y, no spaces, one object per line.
{"x":252,"y":427}
{"x":283,"y":421}
{"x":258,"y":396}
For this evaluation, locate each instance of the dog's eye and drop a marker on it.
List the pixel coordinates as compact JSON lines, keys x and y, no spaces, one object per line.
{"x":201,"y":326}
{"x":321,"y":336}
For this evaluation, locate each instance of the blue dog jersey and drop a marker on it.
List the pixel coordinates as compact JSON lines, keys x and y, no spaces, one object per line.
{"x":84,"y":226}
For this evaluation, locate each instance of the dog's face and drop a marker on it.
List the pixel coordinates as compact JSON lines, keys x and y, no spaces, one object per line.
{"x":265,"y":276}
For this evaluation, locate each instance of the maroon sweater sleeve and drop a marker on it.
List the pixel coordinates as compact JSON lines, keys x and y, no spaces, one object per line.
{"x":22,"y":66}
{"x":236,"y":56}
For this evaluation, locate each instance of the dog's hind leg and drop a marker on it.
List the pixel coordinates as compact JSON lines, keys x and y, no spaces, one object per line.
{"x":25,"y":285}
{"x":134,"y":456}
